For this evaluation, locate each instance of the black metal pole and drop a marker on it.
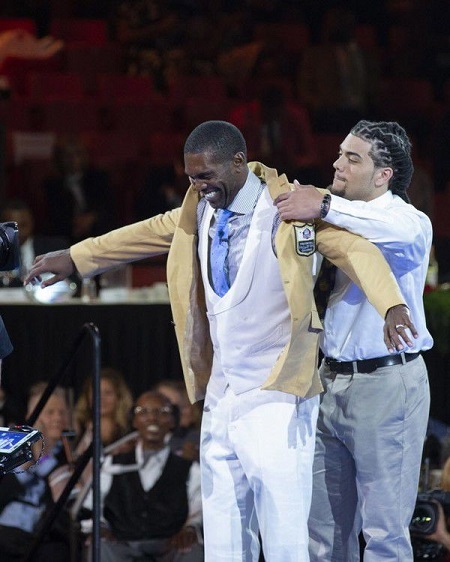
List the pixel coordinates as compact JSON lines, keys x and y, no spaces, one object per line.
{"x":94,"y":449}
{"x":97,"y":446}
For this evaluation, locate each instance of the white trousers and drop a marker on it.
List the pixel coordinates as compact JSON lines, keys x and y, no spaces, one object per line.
{"x":257,"y":450}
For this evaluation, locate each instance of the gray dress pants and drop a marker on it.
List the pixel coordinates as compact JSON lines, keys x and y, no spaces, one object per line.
{"x":370,"y":436}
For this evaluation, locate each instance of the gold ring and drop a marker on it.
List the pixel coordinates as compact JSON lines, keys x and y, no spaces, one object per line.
{"x":399,"y":326}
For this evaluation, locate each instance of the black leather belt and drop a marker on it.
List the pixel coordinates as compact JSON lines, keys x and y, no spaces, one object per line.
{"x":368,"y":365}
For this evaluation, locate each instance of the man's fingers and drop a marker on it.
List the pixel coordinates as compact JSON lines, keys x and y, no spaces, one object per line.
{"x":413,"y":330}
{"x":299,"y":185}
{"x":281,"y":197}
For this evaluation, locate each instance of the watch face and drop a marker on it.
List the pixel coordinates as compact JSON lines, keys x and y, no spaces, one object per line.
{"x":11,"y":440}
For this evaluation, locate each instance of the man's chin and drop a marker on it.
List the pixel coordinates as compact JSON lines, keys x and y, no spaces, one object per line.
{"x":337,"y":188}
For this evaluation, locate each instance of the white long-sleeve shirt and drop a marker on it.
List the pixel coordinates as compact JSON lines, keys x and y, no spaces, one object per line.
{"x":353,"y":329}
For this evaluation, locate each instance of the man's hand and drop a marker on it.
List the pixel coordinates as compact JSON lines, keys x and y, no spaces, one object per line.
{"x":59,"y":263}
{"x":184,"y":539}
{"x":301,"y":204}
{"x":396,"y":324}
{"x":441,"y":534}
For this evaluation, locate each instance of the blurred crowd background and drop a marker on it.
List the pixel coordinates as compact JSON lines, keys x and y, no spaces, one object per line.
{"x":93,"y":135}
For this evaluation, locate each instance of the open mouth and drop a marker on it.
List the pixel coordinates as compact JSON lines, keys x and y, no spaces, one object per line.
{"x":210,"y":193}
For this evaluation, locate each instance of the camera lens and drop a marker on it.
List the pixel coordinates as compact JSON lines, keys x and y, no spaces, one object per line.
{"x":424,"y":518}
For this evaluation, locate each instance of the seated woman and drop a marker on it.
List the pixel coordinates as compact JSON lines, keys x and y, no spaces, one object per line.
{"x":115,"y":406}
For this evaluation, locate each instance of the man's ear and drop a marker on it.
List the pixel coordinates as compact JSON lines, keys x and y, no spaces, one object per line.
{"x":240,"y":161}
{"x":383,"y":176}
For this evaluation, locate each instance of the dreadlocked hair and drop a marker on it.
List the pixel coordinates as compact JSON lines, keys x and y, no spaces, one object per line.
{"x":220,"y":138}
{"x":391,"y":148}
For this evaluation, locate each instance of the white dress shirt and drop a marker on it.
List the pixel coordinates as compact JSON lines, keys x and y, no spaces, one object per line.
{"x":353,"y":328}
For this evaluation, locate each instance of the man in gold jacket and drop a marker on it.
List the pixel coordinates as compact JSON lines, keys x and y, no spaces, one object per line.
{"x":253,"y":349}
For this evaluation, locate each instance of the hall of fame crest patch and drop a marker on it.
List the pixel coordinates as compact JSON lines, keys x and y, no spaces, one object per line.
{"x":305,"y":239}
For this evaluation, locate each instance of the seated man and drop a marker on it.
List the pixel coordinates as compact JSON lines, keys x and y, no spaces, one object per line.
{"x":151,"y":497}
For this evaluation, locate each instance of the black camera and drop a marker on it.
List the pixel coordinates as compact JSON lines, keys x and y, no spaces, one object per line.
{"x":15,"y":446}
{"x":426,"y":514}
{"x":424,"y":521}
{"x":9,"y":246}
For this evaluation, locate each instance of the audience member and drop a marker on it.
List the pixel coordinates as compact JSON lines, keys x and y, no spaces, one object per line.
{"x":26,"y":496}
{"x":115,"y":406}
{"x":185,"y":438}
{"x":79,"y":198}
{"x":278,"y":131}
{"x":337,"y":78}
{"x":151,"y":497}
{"x":147,"y":30}
{"x":31,"y":244}
{"x":163,"y":189}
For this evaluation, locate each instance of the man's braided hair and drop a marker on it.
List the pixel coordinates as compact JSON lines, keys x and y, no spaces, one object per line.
{"x":391,"y":148}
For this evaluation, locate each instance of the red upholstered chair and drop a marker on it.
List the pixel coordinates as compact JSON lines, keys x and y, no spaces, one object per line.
{"x":92,"y":31}
{"x":205,"y":87}
{"x":24,"y":114}
{"x":120,"y":154}
{"x":27,"y":24}
{"x":110,"y":147}
{"x":141,"y":118}
{"x":70,"y":116}
{"x":18,"y":71}
{"x":93,"y":60}
{"x":115,"y":86}
{"x":400,"y":97}
{"x":52,"y":86}
{"x":292,"y":37}
{"x":163,"y":148}
{"x":195,"y":110}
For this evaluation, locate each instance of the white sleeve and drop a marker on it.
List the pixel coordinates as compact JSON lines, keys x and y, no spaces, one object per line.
{"x":105,"y":485}
{"x":195,"y":517}
{"x":401,"y":228}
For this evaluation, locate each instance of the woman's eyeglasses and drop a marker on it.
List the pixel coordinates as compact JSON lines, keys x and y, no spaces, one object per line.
{"x":164,"y":411}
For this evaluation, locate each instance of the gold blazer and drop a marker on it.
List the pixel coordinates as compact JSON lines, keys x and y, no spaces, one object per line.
{"x":175,"y":232}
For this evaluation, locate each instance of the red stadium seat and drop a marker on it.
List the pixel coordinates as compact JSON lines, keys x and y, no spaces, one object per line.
{"x":52,"y":86}
{"x":114,"y":87}
{"x":27,"y":24}
{"x":92,"y":31}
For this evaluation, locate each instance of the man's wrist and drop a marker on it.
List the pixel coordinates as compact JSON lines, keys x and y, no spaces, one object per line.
{"x":325,"y":206}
